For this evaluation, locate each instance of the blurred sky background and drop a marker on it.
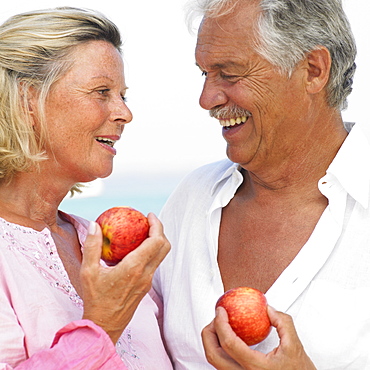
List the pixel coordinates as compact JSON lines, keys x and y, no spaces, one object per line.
{"x":170,"y":134}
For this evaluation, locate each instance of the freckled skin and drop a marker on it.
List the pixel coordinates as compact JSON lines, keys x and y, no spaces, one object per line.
{"x":124,"y":229}
{"x":247,"y":311}
{"x":85,"y":103}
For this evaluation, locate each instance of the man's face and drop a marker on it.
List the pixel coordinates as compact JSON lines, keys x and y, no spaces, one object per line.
{"x":259,"y":109}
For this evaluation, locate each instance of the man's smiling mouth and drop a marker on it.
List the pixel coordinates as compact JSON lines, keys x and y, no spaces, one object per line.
{"x":228,"y":123}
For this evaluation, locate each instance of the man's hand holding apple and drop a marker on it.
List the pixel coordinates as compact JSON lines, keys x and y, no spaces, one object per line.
{"x":226,"y":351}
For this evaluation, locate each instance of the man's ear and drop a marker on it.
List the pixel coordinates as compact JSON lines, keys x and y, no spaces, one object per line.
{"x":318,"y":64}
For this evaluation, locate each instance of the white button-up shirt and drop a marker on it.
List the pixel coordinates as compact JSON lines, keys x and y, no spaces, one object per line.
{"x":326,"y":288}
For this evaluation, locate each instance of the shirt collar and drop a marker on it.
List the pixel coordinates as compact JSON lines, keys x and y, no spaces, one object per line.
{"x":351,"y":166}
{"x":232,"y":170}
{"x":79,"y":223}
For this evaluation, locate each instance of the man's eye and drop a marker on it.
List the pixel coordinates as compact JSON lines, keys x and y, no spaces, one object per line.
{"x":124,"y":98}
{"x":204,"y":73}
{"x":231,"y":78}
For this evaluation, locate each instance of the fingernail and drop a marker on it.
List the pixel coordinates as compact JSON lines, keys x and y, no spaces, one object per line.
{"x":92,"y":228}
{"x":271,"y":310}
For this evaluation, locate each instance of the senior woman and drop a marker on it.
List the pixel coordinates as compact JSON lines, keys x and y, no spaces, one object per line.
{"x":62,"y":94}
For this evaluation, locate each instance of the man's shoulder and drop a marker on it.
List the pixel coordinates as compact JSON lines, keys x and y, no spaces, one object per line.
{"x":197,"y":185}
{"x":209,"y":173}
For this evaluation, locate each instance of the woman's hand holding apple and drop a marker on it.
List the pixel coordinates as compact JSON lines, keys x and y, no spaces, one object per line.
{"x":112,"y":294}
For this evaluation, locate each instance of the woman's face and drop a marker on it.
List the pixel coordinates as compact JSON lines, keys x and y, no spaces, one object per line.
{"x":86,"y":113}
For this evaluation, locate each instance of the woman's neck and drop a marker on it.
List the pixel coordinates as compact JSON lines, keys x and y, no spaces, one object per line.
{"x":31,"y":200}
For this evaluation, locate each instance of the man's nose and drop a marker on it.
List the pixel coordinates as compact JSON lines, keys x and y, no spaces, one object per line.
{"x":212,"y":96}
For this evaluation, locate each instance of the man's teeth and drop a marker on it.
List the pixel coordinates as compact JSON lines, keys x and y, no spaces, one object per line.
{"x":233,"y":121}
{"x":106,"y":141}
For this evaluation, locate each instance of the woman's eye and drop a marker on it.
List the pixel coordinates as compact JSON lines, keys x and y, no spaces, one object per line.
{"x":103,"y":91}
{"x":204,"y":73}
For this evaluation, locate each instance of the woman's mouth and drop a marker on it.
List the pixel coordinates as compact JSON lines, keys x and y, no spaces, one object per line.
{"x":106,"y":141}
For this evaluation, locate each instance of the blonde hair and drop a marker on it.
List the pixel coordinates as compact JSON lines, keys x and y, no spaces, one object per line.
{"x":34,"y":50}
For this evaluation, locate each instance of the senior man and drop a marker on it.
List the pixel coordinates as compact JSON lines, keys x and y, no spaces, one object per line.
{"x":288,"y":211}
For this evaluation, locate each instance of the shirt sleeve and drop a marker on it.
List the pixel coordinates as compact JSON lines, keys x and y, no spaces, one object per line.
{"x":80,"y":345}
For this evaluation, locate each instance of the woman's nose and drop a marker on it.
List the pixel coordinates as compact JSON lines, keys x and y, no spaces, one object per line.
{"x":121,"y":114}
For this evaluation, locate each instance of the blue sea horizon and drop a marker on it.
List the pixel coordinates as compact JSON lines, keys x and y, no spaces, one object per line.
{"x":146,"y":193}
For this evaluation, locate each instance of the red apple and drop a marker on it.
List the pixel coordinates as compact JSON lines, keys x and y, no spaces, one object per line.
{"x":247,"y":311}
{"x":124,"y":229}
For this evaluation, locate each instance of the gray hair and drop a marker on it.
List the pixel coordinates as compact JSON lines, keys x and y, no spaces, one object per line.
{"x":289,"y":29}
{"x":34,"y":52}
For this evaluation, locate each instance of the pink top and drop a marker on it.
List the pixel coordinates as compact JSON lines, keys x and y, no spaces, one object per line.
{"x":40,"y":312}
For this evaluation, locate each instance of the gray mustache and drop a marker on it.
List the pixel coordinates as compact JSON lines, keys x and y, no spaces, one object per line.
{"x":229,"y":112}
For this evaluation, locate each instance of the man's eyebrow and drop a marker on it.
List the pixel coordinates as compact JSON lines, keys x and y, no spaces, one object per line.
{"x":222,"y":65}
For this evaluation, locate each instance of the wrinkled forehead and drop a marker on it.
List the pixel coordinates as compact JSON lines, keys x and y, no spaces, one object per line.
{"x":230,"y":32}
{"x":238,"y":21}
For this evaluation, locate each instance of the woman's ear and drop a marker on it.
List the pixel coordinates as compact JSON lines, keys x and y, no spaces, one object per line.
{"x":318,"y":65}
{"x":30,"y":98}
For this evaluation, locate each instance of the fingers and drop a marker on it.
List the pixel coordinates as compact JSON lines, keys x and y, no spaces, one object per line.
{"x":156,"y":227}
{"x":153,"y":249}
{"x":209,"y":337}
{"x":93,"y":245}
{"x":290,"y":349}
{"x":284,"y":326}
{"x":112,"y":294}
{"x":232,"y":344}
{"x":215,"y":354}
{"x":225,"y":350}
